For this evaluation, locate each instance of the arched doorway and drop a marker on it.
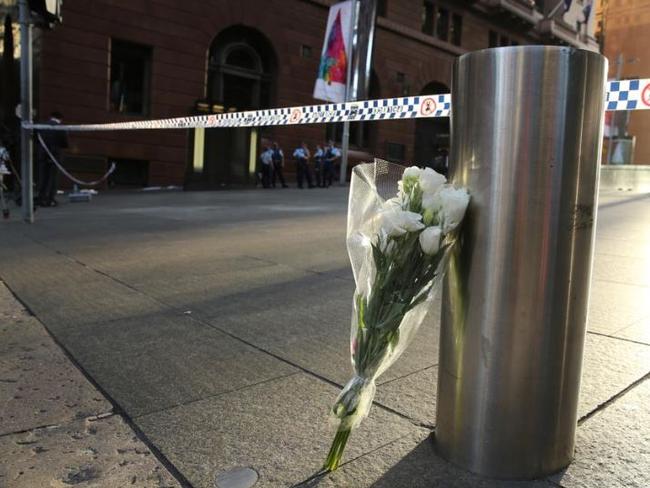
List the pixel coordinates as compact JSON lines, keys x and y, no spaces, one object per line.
{"x":432,"y":134}
{"x":241,"y":67}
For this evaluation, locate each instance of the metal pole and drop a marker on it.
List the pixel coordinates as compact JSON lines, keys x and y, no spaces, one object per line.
{"x":610,"y":139}
{"x":526,"y":141}
{"x":348,"y":93}
{"x":26,"y":147}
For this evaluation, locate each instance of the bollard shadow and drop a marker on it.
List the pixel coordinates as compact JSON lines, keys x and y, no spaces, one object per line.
{"x":421,"y":467}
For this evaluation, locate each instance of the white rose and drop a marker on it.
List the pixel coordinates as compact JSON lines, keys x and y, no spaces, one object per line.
{"x":430,"y":181}
{"x":454,"y":204}
{"x":430,"y":240}
{"x":399,"y":222}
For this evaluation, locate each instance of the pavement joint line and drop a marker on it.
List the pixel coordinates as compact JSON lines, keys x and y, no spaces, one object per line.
{"x":216,"y":395}
{"x":407,"y":375}
{"x":625,"y":339}
{"x":117,"y":409}
{"x":90,"y":418}
{"x":553,"y":482}
{"x":306,"y":270}
{"x":636,"y":197}
{"x":613,"y":399}
{"x":322,"y":473}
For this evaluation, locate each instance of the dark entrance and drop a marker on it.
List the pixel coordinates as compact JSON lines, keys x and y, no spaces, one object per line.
{"x":432,"y":134}
{"x":240,"y":73}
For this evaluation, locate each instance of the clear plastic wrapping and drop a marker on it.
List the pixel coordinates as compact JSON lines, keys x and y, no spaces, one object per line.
{"x":401,"y":224}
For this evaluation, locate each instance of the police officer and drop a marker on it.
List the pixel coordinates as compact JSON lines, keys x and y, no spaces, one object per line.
{"x":278,"y":165}
{"x":301,"y":155}
{"x":332,"y":155}
{"x":266,"y":160}
{"x":318,"y":165}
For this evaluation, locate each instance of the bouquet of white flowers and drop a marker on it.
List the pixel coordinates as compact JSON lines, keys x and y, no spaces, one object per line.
{"x":398,"y":247}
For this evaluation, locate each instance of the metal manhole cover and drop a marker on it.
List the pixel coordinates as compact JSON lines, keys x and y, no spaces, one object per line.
{"x":236,"y":478}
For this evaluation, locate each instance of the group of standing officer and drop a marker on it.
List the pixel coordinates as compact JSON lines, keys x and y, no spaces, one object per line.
{"x":326,"y":162}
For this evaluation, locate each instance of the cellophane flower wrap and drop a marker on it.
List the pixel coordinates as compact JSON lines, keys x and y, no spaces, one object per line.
{"x":401,"y":224}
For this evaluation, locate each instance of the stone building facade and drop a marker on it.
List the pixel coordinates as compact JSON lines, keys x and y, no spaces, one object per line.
{"x":120,"y":60}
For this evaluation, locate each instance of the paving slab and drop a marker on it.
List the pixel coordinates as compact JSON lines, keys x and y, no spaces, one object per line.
{"x":638,"y":331}
{"x":613,"y":446}
{"x":216,"y":294}
{"x":151,"y":362}
{"x":610,"y":366}
{"x":99,"y":452}
{"x":307,"y":321}
{"x":279,"y":428}
{"x":613,"y":306}
{"x":618,"y":247}
{"x":410,"y":462}
{"x":63,"y":293}
{"x":39,"y":385}
{"x":413,"y":395}
{"x":622,"y":269}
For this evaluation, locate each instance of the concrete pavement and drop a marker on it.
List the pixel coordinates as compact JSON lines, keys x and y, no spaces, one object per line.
{"x":218,"y":323}
{"x":56,"y":428}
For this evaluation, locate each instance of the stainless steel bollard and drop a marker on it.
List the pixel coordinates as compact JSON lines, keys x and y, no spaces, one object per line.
{"x":526,"y":140}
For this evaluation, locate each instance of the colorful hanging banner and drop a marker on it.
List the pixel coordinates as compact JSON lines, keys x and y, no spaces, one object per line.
{"x":335,"y":56}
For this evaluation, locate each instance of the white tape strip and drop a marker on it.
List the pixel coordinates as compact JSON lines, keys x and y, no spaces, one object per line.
{"x":621,"y":95}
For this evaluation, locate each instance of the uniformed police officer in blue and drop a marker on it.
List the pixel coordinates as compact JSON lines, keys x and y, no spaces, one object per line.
{"x":278,"y":164}
{"x":332,"y":155}
{"x":301,"y":155}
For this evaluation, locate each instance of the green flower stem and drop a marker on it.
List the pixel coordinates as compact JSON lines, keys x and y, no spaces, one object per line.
{"x":336,"y":451}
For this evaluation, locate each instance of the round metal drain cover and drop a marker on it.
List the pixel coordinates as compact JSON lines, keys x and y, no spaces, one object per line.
{"x":236,"y":478}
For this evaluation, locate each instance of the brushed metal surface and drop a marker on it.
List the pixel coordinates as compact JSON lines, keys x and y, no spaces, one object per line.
{"x":526,"y":140}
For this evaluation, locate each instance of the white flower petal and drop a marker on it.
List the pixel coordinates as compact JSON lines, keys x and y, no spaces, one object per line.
{"x":454,"y":204}
{"x":430,"y":181}
{"x":430,"y":240}
{"x":396,"y":222}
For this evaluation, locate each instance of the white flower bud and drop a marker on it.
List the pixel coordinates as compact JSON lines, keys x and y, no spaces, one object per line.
{"x":454,"y":204}
{"x":411,"y":172}
{"x":430,"y":240}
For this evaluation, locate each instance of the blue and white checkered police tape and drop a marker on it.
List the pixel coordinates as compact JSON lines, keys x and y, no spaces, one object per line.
{"x":621,"y":95}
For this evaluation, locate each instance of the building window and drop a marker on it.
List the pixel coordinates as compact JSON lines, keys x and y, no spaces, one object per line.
{"x":493,"y":39}
{"x":428,"y":12}
{"x":441,"y":23}
{"x":359,"y":134}
{"x":382,"y":8}
{"x":305,"y":51}
{"x":130,"y":77}
{"x":456,"y":29}
{"x":504,"y":41}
